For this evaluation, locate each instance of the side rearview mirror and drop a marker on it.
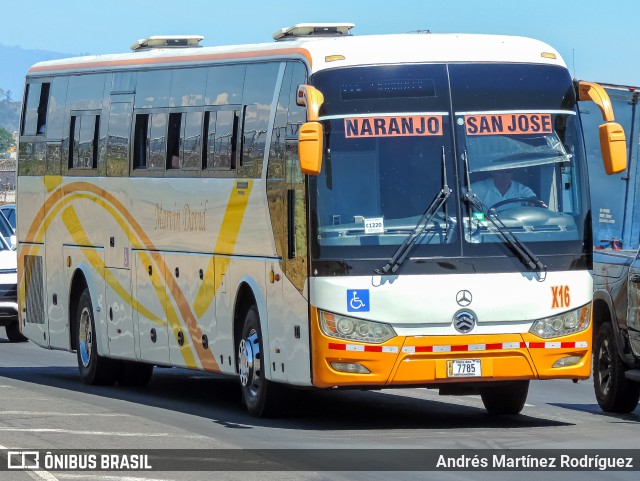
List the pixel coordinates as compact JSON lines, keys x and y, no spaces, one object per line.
{"x":310,"y":148}
{"x":311,"y":134}
{"x":613,"y":144}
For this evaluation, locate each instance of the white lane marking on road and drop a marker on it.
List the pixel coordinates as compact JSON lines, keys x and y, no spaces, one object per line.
{"x":101,"y":477}
{"x":44,"y":413}
{"x":99,"y":433}
{"x":37,"y":475}
{"x":22,"y":398}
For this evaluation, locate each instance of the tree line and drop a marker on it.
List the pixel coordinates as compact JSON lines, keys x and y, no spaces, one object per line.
{"x":9,"y":119}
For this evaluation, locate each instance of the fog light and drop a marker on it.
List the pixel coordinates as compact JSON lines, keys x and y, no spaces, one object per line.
{"x":567,"y":361}
{"x":351,"y":367}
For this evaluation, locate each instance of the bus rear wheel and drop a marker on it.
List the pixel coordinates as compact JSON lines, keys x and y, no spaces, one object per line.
{"x":505,"y":398}
{"x":94,"y":369}
{"x":614,"y":392}
{"x":262,"y":397}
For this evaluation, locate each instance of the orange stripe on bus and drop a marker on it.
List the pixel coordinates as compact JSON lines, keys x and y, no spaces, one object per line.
{"x":169,"y":60}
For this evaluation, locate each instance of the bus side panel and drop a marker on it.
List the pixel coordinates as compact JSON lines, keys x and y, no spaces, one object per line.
{"x":56,"y":282}
{"x":297,"y":336}
{"x":118,"y":301}
{"x":223,"y":342}
{"x":288,"y":326}
{"x":150,"y":319}
{"x":276,"y":321}
{"x":90,"y":261}
{"x":30,"y":235}
{"x":249,"y":273}
{"x":190,"y":308}
{"x":31,"y":293}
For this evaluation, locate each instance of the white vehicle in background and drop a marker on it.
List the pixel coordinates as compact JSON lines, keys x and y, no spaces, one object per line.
{"x":9,"y":211}
{"x":7,"y":231}
{"x":9,"y":293}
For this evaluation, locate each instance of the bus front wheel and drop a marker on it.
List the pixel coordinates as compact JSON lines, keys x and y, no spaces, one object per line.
{"x":262,"y":397}
{"x":505,"y":398}
{"x":94,"y":369}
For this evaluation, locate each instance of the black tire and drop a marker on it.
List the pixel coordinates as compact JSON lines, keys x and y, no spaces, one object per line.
{"x":94,"y":369}
{"x":131,"y":373}
{"x":263,"y":398}
{"x":505,"y":398}
{"x":14,"y":334}
{"x":614,"y":392}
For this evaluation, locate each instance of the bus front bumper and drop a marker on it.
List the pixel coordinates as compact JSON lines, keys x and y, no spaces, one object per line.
{"x":428,"y":360}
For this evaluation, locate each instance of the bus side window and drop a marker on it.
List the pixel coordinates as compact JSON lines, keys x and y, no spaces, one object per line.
{"x":157,"y":141}
{"x":174,"y":132}
{"x":42,"y":109}
{"x":149,"y":145}
{"x":140,"y":141}
{"x":118,"y":139}
{"x":220,"y":133}
{"x":83,"y":141}
{"x":35,"y":110}
{"x":192,"y":140}
{"x":257,"y":100}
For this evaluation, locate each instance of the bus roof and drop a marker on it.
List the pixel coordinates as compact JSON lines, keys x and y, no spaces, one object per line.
{"x":327,"y":52}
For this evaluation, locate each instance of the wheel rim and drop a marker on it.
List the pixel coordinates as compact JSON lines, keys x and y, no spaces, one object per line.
{"x":604,"y":367}
{"x":249,"y":364}
{"x":85,"y":337}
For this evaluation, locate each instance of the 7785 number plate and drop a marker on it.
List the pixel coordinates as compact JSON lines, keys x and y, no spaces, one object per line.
{"x":464,"y":368}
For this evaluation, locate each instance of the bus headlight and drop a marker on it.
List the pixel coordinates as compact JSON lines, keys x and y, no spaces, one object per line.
{"x":351,"y":329}
{"x":563,"y":324}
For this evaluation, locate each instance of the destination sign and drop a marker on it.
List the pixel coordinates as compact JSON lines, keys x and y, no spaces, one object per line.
{"x":393,"y":126}
{"x":506,"y":124}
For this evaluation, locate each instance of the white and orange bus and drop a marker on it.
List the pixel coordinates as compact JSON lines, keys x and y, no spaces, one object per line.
{"x":312,"y":212}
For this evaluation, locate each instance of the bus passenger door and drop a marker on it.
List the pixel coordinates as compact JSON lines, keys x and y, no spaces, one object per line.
{"x":287,"y":305}
{"x":150,"y":305}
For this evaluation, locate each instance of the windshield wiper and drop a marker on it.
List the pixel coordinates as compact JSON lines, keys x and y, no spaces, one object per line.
{"x":438,"y":201}
{"x":527,"y":257}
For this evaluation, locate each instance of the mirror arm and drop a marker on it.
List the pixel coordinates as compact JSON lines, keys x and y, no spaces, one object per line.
{"x":593,"y":91}
{"x":311,"y":98}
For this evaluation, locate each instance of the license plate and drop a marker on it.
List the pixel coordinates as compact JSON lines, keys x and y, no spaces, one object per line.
{"x":464,"y":368}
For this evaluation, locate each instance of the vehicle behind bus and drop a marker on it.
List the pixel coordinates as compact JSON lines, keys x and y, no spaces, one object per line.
{"x":616,"y":267}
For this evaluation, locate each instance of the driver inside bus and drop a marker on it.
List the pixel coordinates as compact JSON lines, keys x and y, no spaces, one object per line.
{"x":499,"y":187}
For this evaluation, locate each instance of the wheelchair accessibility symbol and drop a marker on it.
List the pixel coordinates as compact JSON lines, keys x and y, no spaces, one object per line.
{"x":358,"y":300}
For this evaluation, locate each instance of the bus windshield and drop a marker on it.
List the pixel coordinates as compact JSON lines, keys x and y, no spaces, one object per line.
{"x":390,"y":133}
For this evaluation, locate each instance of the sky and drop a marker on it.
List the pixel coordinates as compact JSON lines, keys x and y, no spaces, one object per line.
{"x":598,"y":40}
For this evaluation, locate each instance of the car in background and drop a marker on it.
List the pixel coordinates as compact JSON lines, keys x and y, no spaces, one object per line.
{"x":616,"y":260}
{"x":9,"y":211}
{"x":9,"y":292}
{"x":7,"y":231}
{"x":616,"y":314}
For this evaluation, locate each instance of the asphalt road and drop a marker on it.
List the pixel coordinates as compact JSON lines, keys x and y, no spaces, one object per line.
{"x":45,"y":405}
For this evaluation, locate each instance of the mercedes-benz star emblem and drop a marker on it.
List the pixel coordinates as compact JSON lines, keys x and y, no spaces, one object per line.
{"x":464,"y":321}
{"x":464,"y":298}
